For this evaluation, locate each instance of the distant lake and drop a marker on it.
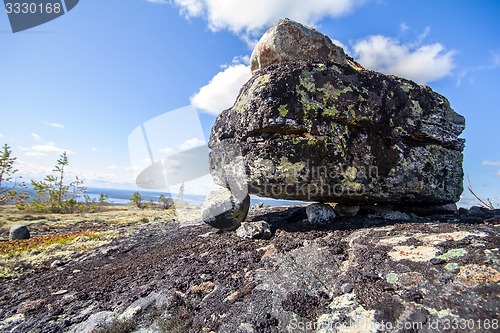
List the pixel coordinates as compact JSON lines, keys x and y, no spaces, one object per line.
{"x":122,"y":197}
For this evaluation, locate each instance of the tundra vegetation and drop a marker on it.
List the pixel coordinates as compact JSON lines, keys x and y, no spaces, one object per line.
{"x":58,"y":192}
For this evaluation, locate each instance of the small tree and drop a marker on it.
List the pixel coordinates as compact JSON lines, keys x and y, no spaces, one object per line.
{"x":103,"y":200}
{"x":8,"y":182}
{"x":53,"y":193}
{"x":95,"y":205}
{"x":165,"y":202}
{"x":137,"y":199}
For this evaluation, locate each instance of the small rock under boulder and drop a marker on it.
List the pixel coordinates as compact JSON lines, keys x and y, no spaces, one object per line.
{"x":320,"y":213}
{"x":224,"y":211}
{"x":347,"y":210}
{"x":254,"y":230}
{"x":19,"y":232}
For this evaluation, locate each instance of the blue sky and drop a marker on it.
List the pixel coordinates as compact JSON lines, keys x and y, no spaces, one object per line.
{"x":83,"y":82}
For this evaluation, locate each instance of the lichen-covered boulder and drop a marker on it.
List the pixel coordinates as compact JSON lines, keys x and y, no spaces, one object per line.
{"x":339,"y":133}
{"x":289,"y":40}
{"x":225,"y":210}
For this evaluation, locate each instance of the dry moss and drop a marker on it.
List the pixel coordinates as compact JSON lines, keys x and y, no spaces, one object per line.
{"x":42,"y":242}
{"x":61,"y":236}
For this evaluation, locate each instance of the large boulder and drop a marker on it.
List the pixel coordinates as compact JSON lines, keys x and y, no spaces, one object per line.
{"x":335,"y":132}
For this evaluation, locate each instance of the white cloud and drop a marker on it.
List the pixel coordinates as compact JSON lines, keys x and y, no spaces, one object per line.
{"x":158,"y":1}
{"x":1,"y":135}
{"x":494,"y":63}
{"x":36,"y":137}
{"x":495,"y":59}
{"x":98,"y":177}
{"x":56,"y":125}
{"x":113,"y":167}
{"x":166,"y":150}
{"x":191,"y":143}
{"x":98,"y":150}
{"x":403,"y":27}
{"x":249,"y":17}
{"x":221,"y":92}
{"x":498,"y":173}
{"x":45,"y":150}
{"x":134,"y":169}
{"x":421,"y":63}
{"x":490,"y":163}
{"x":171,"y":167}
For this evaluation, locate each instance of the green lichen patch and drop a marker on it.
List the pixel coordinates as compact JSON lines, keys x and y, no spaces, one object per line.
{"x":452,"y":266}
{"x":452,"y":254}
{"x":307,"y":81}
{"x":241,"y":102}
{"x":238,"y":214}
{"x":416,"y":108}
{"x":283,"y":110}
{"x":264,"y":79}
{"x":289,"y":171}
{"x":351,"y":173}
{"x":406,"y":87}
{"x":392,"y":278}
{"x":331,"y":111}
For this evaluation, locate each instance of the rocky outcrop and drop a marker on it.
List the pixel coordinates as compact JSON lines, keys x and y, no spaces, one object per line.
{"x":320,"y":130}
{"x":350,"y":276}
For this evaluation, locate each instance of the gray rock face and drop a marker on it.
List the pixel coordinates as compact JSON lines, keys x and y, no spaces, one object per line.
{"x":19,"y":232}
{"x":339,"y":133}
{"x":95,"y":321}
{"x":225,"y":211}
{"x":287,"y":40}
{"x":320,"y":213}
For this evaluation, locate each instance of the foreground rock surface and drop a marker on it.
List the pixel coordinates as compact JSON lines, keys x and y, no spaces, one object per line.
{"x":167,"y":277}
{"x":335,"y":132}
